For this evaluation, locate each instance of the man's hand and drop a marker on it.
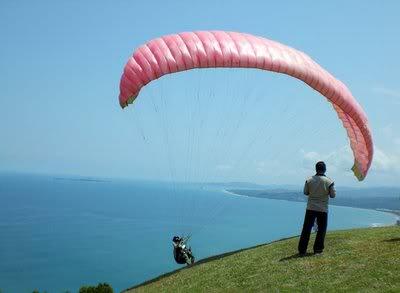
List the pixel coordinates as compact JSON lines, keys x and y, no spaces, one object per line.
{"x":332,"y":190}
{"x":306,"y":191}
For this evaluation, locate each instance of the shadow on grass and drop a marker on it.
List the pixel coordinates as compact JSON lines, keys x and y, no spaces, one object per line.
{"x":294,"y":256}
{"x":392,"y":240}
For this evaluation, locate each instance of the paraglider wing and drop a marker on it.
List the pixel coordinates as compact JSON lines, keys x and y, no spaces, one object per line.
{"x":205,"y":49}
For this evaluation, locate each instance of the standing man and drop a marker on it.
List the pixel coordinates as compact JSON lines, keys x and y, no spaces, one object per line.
{"x":318,"y":188}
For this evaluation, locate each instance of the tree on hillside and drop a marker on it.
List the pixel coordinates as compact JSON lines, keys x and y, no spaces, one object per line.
{"x":100,"y":288}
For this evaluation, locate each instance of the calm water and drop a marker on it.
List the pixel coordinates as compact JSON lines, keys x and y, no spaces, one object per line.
{"x":58,"y":235}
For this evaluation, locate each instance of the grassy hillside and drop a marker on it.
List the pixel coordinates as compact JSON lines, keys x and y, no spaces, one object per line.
{"x":354,"y":260}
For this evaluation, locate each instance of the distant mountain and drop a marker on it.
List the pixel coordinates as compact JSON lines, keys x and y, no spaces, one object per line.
{"x":370,"y":192}
{"x":249,"y":185}
{"x":87,"y":179}
{"x":369,"y":198}
{"x":236,"y":185}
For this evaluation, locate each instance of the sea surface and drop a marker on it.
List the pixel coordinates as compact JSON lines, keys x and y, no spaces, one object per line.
{"x":57,"y":234}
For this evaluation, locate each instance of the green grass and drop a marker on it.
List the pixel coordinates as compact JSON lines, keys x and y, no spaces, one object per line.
{"x":354,"y":260}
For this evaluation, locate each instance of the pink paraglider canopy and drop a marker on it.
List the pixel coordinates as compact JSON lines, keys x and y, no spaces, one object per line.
{"x":205,"y":49}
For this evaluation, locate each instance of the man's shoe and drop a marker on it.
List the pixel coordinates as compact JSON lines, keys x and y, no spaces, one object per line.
{"x":318,"y":252}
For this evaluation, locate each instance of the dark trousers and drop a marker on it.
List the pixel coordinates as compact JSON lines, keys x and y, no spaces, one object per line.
{"x":322,"y":222}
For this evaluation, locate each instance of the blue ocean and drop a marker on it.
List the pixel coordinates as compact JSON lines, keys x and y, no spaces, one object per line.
{"x":58,"y":234}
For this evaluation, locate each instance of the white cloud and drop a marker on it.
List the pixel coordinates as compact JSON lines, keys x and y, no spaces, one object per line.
{"x":342,"y":159}
{"x":386,"y":91}
{"x":260,"y":166}
{"x":388,"y":131}
{"x":271,"y":167}
{"x":223,"y":167}
{"x":338,"y":160}
{"x":385,"y":168}
{"x":312,"y":156}
{"x":384,"y":162}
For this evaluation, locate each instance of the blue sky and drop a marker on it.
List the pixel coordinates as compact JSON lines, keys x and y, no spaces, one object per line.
{"x":61,"y":61}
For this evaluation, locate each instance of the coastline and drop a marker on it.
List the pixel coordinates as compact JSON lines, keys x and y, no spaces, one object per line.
{"x":235,"y":194}
{"x":394,"y":212}
{"x":388,"y":211}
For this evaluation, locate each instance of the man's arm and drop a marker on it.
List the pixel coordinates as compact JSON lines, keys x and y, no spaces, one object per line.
{"x":332,"y":190}
{"x":306,"y":191}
